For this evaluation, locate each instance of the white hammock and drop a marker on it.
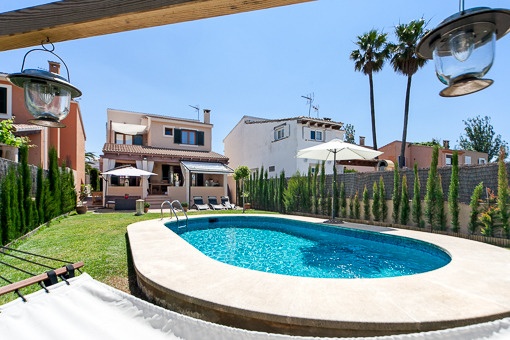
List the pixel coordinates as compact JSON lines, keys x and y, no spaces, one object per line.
{"x":88,"y":309}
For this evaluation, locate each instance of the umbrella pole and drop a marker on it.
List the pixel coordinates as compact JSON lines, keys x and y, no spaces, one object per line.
{"x":333,"y":190}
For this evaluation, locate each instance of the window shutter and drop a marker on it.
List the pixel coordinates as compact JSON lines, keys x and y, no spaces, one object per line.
{"x":200,"y":137}
{"x":177,"y":136}
{"x":312,"y":135}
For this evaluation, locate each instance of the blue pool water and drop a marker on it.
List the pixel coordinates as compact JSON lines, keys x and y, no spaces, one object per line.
{"x":288,"y":247}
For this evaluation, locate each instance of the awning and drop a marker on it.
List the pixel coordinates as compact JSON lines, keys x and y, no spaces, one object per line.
{"x":206,"y":167}
{"x":128,"y":129}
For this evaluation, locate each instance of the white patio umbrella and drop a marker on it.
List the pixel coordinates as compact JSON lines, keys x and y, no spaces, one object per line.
{"x":337,"y":150}
{"x":128,"y":171}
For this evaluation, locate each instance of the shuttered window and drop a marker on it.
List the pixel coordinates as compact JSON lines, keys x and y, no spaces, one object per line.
{"x":190,"y":137}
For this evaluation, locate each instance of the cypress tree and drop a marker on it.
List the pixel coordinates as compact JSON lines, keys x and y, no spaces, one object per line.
{"x":351,"y":207}
{"x":396,"y":195}
{"x":440,"y":221}
{"x":431,"y":204}
{"x":404,"y":205}
{"x":336,"y":194}
{"x":474,"y":205}
{"x":376,"y":204}
{"x":55,"y":185}
{"x":357,"y":214}
{"x":281,"y":190}
{"x":382,"y":197}
{"x":366,"y":204}
{"x":26,"y":177}
{"x":39,"y":199}
{"x":416,"y":205}
{"x":343,"y":201}
{"x":503,"y":194}
{"x":309,"y":183}
{"x":453,"y":193}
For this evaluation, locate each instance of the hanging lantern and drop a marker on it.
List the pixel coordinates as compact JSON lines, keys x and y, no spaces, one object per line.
{"x":463,"y":48}
{"x":47,"y":95}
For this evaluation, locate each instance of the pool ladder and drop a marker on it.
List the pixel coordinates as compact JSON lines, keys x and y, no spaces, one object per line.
{"x":172,"y":209}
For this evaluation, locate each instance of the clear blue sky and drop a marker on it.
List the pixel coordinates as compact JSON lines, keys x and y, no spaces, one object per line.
{"x":261,"y":63}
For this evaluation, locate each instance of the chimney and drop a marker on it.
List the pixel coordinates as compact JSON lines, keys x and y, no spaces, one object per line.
{"x":54,"y":67}
{"x":446,"y":144}
{"x":207,"y":116}
{"x":361,"y":141}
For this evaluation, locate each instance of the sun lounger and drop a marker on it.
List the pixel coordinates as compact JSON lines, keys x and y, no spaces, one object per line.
{"x":213,"y":203}
{"x":225,"y":201}
{"x":198,"y":203}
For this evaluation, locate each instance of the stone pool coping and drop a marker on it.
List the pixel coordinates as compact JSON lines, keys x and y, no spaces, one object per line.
{"x":474,"y":287}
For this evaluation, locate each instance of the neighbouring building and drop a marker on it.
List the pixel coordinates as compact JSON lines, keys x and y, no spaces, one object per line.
{"x":422,"y":155}
{"x":177,"y":150}
{"x":69,"y":141}
{"x":274,"y":143}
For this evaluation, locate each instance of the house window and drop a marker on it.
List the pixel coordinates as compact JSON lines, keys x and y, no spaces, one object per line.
{"x":279,"y":133}
{"x":448,"y":159}
{"x":316,"y":135}
{"x":190,"y":137}
{"x":467,"y":159}
{"x":169,"y":131}
{"x":5,"y":100}
{"x":271,"y":168}
{"x":121,"y":138}
{"x":481,"y":161}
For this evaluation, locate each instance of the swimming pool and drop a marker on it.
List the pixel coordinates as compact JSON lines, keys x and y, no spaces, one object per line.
{"x":176,"y":275}
{"x":296,"y":248}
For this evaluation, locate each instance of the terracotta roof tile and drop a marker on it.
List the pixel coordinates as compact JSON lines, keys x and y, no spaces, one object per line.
{"x":156,"y":151}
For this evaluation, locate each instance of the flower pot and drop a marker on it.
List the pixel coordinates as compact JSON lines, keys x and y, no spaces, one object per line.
{"x":146,"y":210}
{"x":82,"y":209}
{"x":247,"y":206}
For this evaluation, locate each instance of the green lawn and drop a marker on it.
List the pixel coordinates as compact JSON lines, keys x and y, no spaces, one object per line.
{"x":99,"y":240}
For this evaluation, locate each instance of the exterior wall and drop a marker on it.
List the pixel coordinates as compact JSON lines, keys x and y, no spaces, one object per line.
{"x":72,"y":146}
{"x":254,"y":145}
{"x":422,"y":155}
{"x":155,"y":135}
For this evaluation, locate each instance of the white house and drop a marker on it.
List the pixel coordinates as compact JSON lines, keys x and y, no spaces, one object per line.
{"x":274,"y":143}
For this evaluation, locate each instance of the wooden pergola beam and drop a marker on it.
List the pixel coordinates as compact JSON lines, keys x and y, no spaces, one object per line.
{"x":74,"y":19}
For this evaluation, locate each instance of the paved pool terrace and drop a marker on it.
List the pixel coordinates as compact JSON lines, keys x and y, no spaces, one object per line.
{"x":473,"y":288}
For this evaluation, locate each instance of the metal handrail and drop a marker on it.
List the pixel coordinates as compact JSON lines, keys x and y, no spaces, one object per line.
{"x":173,"y":210}
{"x":182,"y":209}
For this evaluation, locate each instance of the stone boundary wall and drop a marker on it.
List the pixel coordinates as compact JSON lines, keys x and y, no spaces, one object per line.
{"x":4,"y":168}
{"x":469,"y":177}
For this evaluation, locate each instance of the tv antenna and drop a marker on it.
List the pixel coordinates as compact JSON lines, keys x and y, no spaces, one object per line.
{"x":309,"y":101}
{"x":316,"y":109}
{"x":197,"y":108}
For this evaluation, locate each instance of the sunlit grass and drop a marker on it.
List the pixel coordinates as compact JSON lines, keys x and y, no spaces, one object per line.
{"x":99,"y":240}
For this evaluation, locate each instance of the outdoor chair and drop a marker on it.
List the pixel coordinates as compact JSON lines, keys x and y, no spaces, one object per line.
{"x":198,"y":203}
{"x":213,"y":203}
{"x":225,"y":201}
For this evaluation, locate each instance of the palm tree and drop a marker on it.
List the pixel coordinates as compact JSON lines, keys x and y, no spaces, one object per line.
{"x":406,"y":61}
{"x":370,"y":56}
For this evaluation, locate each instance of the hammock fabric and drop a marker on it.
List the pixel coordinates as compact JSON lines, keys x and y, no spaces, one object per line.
{"x":89,"y":309}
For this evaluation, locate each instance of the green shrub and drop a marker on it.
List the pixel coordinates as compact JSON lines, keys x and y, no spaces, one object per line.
{"x":396,"y":195}
{"x":366,"y":204}
{"x":404,"y":204}
{"x":474,"y":208}
{"x":376,"y":202}
{"x":416,"y":205}
{"x":453,"y":193}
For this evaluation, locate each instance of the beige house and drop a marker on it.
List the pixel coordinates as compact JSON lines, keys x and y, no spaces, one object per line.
{"x":177,"y":150}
